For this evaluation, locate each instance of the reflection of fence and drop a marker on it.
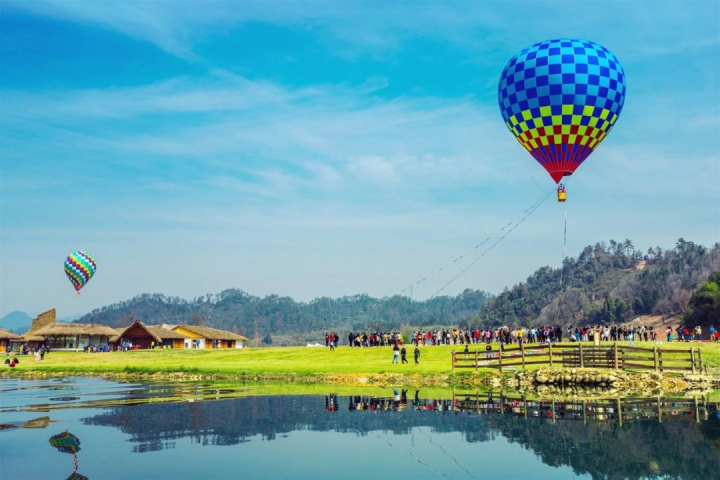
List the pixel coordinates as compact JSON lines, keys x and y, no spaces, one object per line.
{"x":606,"y":409}
{"x":583,"y":356}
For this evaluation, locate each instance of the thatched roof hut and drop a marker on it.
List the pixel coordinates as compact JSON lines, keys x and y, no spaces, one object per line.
{"x":42,"y":320}
{"x":212,"y":333}
{"x":8,"y":335}
{"x":145,"y":335}
{"x":206,"y":337}
{"x":74,"y":335}
{"x":74,"y":329}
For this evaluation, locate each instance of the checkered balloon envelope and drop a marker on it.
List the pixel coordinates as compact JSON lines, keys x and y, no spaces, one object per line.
{"x":560,"y":98}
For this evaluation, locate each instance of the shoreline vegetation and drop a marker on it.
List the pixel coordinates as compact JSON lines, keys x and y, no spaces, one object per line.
{"x":344,"y":366}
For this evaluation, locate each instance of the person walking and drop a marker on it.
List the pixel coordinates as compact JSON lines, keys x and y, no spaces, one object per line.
{"x":417,"y":356}
{"x":403,"y":355}
{"x":396,"y":353}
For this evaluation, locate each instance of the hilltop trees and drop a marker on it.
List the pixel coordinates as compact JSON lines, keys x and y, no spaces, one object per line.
{"x":607,"y":283}
{"x":237,"y":310}
{"x":704,"y":305}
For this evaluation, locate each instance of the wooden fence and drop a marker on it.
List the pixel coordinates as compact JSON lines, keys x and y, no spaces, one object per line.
{"x":620,"y":410}
{"x":581,"y":355}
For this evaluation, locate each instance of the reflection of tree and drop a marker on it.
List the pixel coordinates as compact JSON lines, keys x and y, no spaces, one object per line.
{"x":638,"y":449}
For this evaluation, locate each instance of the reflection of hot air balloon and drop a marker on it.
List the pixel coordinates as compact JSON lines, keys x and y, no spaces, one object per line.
{"x":77,"y":476}
{"x":80,"y":268}
{"x":560,"y":98}
{"x":66,"y":442}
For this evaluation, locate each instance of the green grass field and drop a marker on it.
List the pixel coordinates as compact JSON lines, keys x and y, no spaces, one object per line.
{"x":271,"y":362}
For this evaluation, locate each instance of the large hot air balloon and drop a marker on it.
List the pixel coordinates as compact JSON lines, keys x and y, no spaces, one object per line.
{"x":560,"y":98}
{"x":80,"y":268}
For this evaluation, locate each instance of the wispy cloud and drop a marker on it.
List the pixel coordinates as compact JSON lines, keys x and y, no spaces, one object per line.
{"x":326,"y":133}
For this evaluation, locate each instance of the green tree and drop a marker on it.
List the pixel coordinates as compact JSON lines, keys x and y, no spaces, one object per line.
{"x":704,"y":305}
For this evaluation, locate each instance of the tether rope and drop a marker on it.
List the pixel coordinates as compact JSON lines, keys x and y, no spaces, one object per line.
{"x":526,"y":215}
{"x":534,"y":205}
{"x":516,"y":221}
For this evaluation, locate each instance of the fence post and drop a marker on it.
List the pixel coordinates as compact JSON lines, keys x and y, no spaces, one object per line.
{"x":452,"y":360}
{"x":692,"y":359}
{"x":697,"y":414}
{"x":660,"y":362}
{"x":582,"y":362}
{"x":522,"y":356}
{"x":655,"y":358}
{"x":659,"y":411}
{"x":476,"y":360}
{"x":550,"y":354}
{"x":700,"y":360}
{"x":617,"y":365}
{"x":500,"y":358}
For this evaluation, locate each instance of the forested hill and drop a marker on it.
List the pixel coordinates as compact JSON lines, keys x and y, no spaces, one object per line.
{"x":607,"y":282}
{"x":238,"y":311}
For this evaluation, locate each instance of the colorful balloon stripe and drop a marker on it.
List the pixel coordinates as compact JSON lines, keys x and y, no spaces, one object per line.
{"x":560,"y":98}
{"x":80,"y":268}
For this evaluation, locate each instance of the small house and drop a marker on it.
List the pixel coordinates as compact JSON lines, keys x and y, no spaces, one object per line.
{"x":146,"y":336}
{"x":206,"y":337}
{"x":77,"y":336}
{"x":5,"y":338}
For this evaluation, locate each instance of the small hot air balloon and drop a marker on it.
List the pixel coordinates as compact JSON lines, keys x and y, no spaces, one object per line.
{"x":80,"y":268}
{"x":560,"y":98}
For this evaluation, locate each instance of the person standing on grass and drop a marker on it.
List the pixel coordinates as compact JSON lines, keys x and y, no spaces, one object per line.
{"x":396,"y":353}
{"x":417,"y":356}
{"x":403,"y":355}
{"x":467,"y":351}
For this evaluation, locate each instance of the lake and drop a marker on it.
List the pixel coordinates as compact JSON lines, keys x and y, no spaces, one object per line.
{"x":171,"y":430}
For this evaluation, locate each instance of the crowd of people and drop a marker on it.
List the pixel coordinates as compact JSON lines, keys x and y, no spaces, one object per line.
{"x":515,"y":335}
{"x":39,"y":352}
{"x":692,"y":334}
{"x":374,"y":339}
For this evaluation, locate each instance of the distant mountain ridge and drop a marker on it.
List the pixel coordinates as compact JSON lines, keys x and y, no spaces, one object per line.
{"x":17,"y":322}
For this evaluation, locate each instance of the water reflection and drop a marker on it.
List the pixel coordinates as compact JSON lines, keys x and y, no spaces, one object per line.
{"x":627,"y":438}
{"x":66,"y":442}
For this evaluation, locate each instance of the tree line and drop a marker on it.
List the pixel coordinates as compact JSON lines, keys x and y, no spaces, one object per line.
{"x":238,"y":311}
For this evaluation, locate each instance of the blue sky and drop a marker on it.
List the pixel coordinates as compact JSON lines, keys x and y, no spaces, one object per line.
{"x":328,"y":148}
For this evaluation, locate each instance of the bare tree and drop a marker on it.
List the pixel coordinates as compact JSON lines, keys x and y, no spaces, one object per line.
{"x":197,"y":320}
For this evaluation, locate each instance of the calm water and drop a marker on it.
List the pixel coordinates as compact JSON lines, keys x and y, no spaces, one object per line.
{"x":391,"y":434}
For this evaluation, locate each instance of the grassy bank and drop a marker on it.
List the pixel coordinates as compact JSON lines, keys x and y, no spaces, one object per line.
{"x":269,"y":363}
